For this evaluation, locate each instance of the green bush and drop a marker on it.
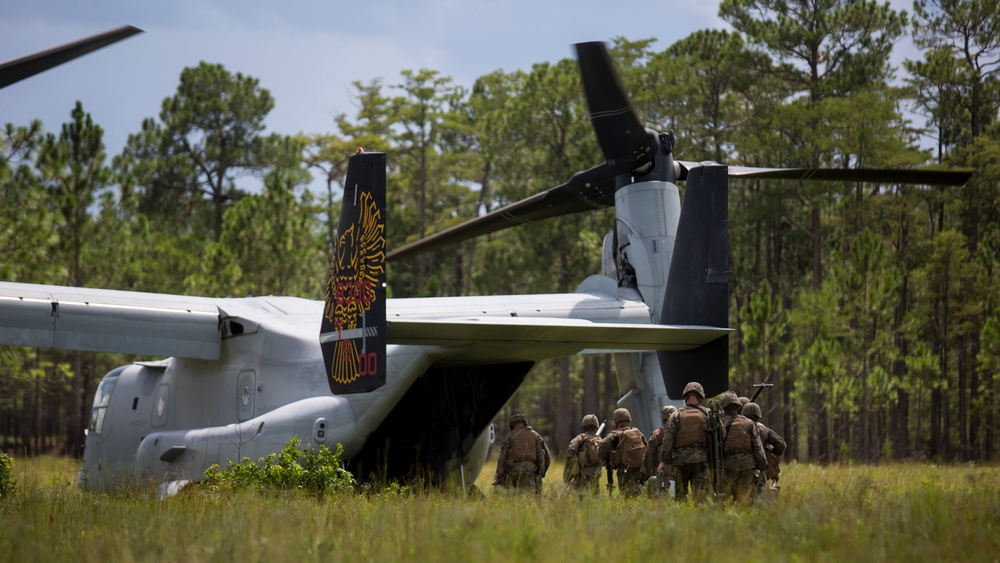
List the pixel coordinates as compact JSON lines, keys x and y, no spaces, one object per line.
{"x":307,"y":469}
{"x":6,"y":475}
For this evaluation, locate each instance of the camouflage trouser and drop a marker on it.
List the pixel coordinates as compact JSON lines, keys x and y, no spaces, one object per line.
{"x":773,"y":467}
{"x":629,"y":483}
{"x":523,"y":476}
{"x":697,"y":476}
{"x":739,"y":485}
{"x":587,"y":483}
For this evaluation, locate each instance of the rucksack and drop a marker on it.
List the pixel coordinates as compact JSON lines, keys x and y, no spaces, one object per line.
{"x":631,"y":449}
{"x":588,"y":455}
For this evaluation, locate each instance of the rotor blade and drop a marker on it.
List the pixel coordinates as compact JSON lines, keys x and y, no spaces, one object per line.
{"x":591,"y":189}
{"x":626,"y":144}
{"x":877,"y":175}
{"x":17,"y":70}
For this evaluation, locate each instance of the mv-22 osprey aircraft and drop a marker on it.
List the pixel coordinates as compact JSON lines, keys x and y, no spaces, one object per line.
{"x":244,"y":375}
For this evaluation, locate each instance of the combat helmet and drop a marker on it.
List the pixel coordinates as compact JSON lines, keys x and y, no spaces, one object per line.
{"x":666,"y":411}
{"x":696,"y":388}
{"x":589,"y":420}
{"x":728,"y":399}
{"x":752,"y":411}
{"x":517,"y":416}
{"x":744,"y":401}
{"x":621,"y":415}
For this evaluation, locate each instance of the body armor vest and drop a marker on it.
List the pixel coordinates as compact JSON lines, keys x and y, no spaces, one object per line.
{"x":522,"y":446}
{"x":738,"y":438}
{"x":690,"y":428}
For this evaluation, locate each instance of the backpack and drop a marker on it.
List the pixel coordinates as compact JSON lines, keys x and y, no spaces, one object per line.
{"x":631,"y":449}
{"x":588,"y":456}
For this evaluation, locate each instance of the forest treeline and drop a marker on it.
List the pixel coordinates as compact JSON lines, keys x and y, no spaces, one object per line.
{"x":870,"y":307}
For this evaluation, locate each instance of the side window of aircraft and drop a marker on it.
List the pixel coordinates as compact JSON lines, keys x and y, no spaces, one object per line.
{"x":101,"y":400}
{"x":246,"y":394}
{"x":160,"y":406}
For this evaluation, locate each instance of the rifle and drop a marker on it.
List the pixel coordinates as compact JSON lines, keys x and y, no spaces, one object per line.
{"x":713,"y":427}
{"x":611,"y":478}
{"x":760,"y":387}
{"x":607,"y":462}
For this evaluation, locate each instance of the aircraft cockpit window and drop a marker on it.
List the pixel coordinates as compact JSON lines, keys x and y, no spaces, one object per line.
{"x":101,"y":400}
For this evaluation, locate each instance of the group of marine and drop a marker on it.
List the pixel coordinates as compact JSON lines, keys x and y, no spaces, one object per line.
{"x":697,"y":451}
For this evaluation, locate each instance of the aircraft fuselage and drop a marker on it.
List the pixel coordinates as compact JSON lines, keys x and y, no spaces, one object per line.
{"x":172,"y":419}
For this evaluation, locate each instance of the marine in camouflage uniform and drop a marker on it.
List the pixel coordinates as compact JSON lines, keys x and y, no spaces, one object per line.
{"x":580,"y":473}
{"x":774,"y":444}
{"x":685,"y":446}
{"x":649,"y":465}
{"x":743,"y":452}
{"x":629,"y":479}
{"x":523,"y":457}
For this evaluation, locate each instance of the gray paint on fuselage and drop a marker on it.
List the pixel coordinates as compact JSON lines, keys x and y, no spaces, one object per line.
{"x":281,"y":348}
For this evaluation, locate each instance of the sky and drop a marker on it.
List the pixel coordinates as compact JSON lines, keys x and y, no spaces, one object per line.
{"x":305,"y":52}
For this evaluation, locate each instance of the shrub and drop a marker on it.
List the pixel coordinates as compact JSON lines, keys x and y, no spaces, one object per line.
{"x":6,"y":476}
{"x":317,"y":472}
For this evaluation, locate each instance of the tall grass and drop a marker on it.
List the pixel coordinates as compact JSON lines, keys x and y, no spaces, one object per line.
{"x":895,"y":512}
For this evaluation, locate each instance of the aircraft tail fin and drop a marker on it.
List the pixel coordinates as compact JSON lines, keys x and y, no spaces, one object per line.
{"x":697,"y":291}
{"x":353,"y":332}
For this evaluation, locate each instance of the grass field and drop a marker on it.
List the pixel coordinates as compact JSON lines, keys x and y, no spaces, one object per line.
{"x":856,"y":513}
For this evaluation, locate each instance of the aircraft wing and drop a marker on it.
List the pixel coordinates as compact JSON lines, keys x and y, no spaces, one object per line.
{"x":544,"y":332}
{"x":491,"y":328}
{"x":103,"y":320}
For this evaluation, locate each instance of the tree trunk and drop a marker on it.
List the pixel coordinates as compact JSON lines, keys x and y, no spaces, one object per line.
{"x":774,"y":414}
{"x":937,"y":446}
{"x":24,"y":427}
{"x":866,"y":424}
{"x":591,"y":385}
{"x":963,"y":406}
{"x":789,"y":432}
{"x":36,"y":425}
{"x":823,"y":432}
{"x":74,"y":431}
{"x":563,"y":426}
{"x":610,"y":398}
{"x":947,"y":442}
{"x":899,"y":426}
{"x":857,"y":439}
{"x":991,"y":419}
{"x":975,"y":412}
{"x":817,"y":247}
{"x":459,"y":272}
